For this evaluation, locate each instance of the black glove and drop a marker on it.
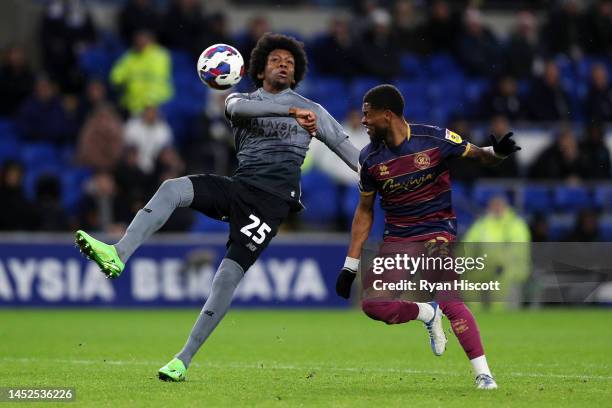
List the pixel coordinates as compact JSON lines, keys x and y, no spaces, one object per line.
{"x":505,"y":146}
{"x":344,"y":282}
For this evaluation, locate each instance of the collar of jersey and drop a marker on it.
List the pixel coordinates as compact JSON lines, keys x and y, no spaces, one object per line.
{"x":267,"y":94}
{"x":406,"y":140}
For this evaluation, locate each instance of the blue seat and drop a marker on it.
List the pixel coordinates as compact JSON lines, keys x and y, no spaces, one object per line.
{"x":205,"y":224}
{"x":443,"y":65}
{"x":32,"y":176}
{"x":320,"y":197}
{"x":38,"y":155}
{"x":603,"y":197}
{"x":349,"y":203}
{"x":412,"y":66}
{"x":9,"y":149}
{"x":95,"y":62}
{"x":572,"y":198}
{"x":358,"y":88}
{"x":73,"y":182}
{"x":328,"y":92}
{"x":605,"y":228}
{"x":483,"y":193}
{"x":559,"y":226}
{"x":536,"y":198}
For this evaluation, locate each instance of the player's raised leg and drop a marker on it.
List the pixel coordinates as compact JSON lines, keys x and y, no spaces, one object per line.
{"x":401,"y":311}
{"x":111,"y":259}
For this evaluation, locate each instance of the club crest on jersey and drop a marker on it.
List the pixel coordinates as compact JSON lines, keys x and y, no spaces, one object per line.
{"x":453,"y":137}
{"x":422,"y":161}
{"x":384,"y":170}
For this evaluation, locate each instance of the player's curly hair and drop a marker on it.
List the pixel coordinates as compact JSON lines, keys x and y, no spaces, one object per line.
{"x":270,"y":42}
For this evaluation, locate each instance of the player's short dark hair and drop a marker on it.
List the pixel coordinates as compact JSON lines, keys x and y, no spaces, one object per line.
{"x":385,"y":96}
{"x":270,"y":42}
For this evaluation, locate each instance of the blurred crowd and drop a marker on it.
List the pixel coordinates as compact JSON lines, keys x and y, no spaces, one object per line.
{"x":113,"y":130}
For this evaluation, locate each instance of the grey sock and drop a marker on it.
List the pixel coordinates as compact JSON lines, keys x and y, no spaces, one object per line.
{"x":171,"y":194}
{"x":224,"y":284}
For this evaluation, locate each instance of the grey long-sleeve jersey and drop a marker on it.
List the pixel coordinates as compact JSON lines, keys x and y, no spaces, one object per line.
{"x":271,"y":145}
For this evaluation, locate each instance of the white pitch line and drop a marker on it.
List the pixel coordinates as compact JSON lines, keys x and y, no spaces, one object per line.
{"x":313,"y":367}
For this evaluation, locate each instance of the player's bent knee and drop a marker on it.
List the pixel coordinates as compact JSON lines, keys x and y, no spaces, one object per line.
{"x":241,"y":255}
{"x":383,"y":311}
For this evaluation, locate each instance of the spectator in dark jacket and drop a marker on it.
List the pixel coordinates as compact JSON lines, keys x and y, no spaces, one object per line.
{"x":503,"y":100}
{"x":258,"y":26}
{"x":217,"y":30}
{"x":335,"y":45}
{"x":405,"y":28}
{"x":586,"y":228}
{"x":16,"y":211}
{"x":377,"y":49}
{"x":597,"y":38}
{"x":138,"y":15}
{"x":440,"y":30}
{"x":16,"y":80}
{"x":188,"y":27}
{"x":50,"y":215}
{"x":560,"y":160}
{"x":66,"y":30}
{"x":599,"y":99}
{"x":42,"y":117}
{"x":478,"y":48}
{"x":547,"y":100}
{"x":565,"y":29}
{"x":521,"y":49}
{"x":594,"y":154}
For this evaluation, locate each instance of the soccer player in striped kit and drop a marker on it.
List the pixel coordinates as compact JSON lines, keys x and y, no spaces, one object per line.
{"x":406,"y":164}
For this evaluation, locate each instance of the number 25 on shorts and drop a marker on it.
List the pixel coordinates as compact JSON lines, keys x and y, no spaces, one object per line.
{"x":261,"y":231}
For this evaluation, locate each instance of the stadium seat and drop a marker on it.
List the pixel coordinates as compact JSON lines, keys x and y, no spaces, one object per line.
{"x":349,"y":203}
{"x":572,"y":198}
{"x":536,"y":198}
{"x":603,"y":197}
{"x":605,"y":228}
{"x":443,"y":65}
{"x":412,"y":66}
{"x":358,"y":88}
{"x":559,"y":226}
{"x":38,"y":155}
{"x":72,"y":181}
{"x":326,"y":91}
{"x":320,"y":197}
{"x":9,"y":149}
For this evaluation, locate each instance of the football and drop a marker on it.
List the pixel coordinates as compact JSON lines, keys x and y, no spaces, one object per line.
{"x":220,"y":66}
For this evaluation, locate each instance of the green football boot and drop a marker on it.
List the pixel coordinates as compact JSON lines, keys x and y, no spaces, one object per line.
{"x":103,"y":254}
{"x":173,"y":371}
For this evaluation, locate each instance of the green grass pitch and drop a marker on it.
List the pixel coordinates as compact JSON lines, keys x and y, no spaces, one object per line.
{"x":307,"y":358}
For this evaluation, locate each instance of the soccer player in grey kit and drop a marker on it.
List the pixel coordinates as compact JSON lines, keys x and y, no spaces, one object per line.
{"x":272,"y":127}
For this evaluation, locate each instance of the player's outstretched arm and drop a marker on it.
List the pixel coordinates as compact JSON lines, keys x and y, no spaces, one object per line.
{"x":495,"y":154}
{"x":362,"y":223}
{"x":332,"y":134}
{"x":239,"y":107}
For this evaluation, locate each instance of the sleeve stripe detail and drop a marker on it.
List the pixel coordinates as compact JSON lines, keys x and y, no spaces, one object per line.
{"x":367,"y":193}
{"x":468,"y":147}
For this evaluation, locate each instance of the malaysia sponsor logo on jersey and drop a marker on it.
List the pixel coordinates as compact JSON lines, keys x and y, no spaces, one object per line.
{"x":453,"y":137}
{"x":422,"y":161}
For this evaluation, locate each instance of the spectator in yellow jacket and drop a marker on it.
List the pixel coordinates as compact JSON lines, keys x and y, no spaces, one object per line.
{"x":143,"y":74}
{"x":504,"y":237}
